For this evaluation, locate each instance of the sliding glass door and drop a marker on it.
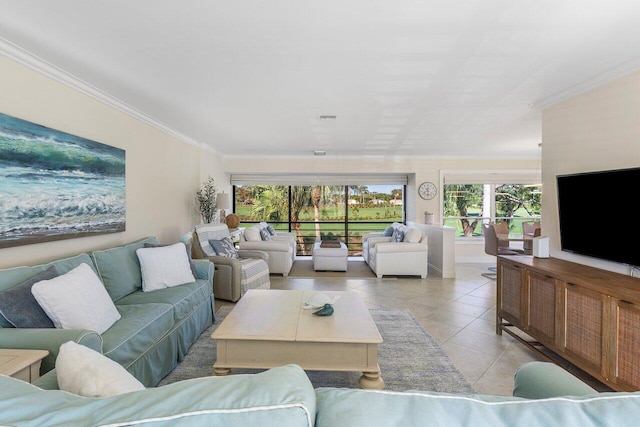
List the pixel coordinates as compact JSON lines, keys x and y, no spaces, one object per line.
{"x":314,"y":212}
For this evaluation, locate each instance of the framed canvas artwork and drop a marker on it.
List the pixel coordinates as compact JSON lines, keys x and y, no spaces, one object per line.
{"x":54,"y":185}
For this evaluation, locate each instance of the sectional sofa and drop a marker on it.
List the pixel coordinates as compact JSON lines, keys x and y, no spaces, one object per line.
{"x":154,"y":331}
{"x":544,"y":396}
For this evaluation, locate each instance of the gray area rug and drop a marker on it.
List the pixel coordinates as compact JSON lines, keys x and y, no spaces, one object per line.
{"x":409,"y":358}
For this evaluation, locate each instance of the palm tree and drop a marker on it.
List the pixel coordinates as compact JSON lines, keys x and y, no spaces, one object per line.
{"x":271,"y":205}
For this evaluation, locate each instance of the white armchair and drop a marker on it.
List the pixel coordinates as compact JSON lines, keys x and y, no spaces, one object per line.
{"x":281,"y":247}
{"x":406,"y":257}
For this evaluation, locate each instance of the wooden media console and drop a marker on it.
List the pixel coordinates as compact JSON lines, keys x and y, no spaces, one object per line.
{"x":586,"y":315}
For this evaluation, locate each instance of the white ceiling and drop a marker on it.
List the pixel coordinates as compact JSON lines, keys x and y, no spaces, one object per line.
{"x":405,"y":78}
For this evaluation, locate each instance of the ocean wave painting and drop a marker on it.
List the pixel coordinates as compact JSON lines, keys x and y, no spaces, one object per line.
{"x":54,"y":185}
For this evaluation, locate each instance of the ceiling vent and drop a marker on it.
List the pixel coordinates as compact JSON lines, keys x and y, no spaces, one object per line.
{"x":327,"y":117}
{"x":319,"y":153}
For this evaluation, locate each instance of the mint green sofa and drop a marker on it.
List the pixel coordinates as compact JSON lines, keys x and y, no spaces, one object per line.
{"x":156,"y":328}
{"x":544,"y":396}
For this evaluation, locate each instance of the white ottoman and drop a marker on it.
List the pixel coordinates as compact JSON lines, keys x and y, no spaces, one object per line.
{"x":330,"y":259}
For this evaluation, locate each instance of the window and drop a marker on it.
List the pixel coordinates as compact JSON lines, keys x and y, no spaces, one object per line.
{"x":467,"y":205}
{"x":343,"y":212}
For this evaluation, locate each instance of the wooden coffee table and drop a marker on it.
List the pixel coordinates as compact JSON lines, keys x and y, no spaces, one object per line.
{"x":269,"y":328}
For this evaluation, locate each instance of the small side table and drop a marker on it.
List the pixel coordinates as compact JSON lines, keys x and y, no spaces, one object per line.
{"x":21,"y":364}
{"x":236,"y":234}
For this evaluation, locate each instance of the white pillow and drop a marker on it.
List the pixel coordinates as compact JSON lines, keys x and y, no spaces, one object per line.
{"x":252,"y":234}
{"x":412,"y":235}
{"x":164,"y":267}
{"x":86,"y":372}
{"x":77,"y":300}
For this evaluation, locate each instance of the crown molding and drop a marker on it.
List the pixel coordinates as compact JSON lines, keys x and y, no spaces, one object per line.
{"x":601,"y":79}
{"x":41,"y":66}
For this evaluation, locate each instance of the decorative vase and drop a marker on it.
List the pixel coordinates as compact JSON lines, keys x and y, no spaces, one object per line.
{"x":428,"y":218}
{"x":232,"y":220}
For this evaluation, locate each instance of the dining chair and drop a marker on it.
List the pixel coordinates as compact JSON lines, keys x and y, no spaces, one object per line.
{"x":492,"y":245}
{"x":530,"y":229}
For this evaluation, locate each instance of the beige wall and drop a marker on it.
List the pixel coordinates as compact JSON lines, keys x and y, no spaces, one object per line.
{"x":162,"y":172}
{"x":594,"y":131}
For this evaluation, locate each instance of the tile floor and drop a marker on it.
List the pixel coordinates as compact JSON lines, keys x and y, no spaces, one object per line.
{"x":459,"y":313}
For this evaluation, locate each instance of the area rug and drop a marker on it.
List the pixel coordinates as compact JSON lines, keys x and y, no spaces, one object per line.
{"x":409,"y":358}
{"x":356,"y":268}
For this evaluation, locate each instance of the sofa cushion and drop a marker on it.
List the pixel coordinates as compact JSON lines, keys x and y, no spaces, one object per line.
{"x":360,"y":408}
{"x":86,"y":372}
{"x":119,"y":268}
{"x":188,"y":247}
{"x":397,"y":236}
{"x":14,"y":276}
{"x":19,"y":306}
{"x":271,"y":230}
{"x":252,"y":234}
{"x":388,"y":231}
{"x":413,"y":235}
{"x":183,"y":298}
{"x":76,"y":300}
{"x":264,"y":234}
{"x":164,"y":267}
{"x":140,"y":327}
{"x":281,"y":397}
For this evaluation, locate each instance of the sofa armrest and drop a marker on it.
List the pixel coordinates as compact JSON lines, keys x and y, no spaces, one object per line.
{"x":367,"y":236}
{"x":48,"y":381}
{"x":204,"y":269}
{"x":49,"y":339}
{"x":400,"y":247}
{"x":268,"y":246}
{"x":244,"y":253}
{"x":540,"y":380}
{"x":374,"y":240}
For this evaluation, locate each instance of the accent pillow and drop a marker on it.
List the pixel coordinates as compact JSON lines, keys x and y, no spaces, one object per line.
{"x":252,"y":234}
{"x":271,"y":230}
{"x":192,"y":265}
{"x":77,"y":300}
{"x":164,"y":267}
{"x":265,"y":235}
{"x":413,"y":235}
{"x":387,"y":231}
{"x":85,"y":372}
{"x":224,"y":247}
{"x":397,"y":235}
{"x":20,"y":308}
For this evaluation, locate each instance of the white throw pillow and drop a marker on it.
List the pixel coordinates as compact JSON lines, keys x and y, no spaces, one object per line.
{"x":164,"y":267}
{"x":77,"y":300}
{"x":252,"y":234}
{"x":85,"y":372}
{"x":412,"y":235}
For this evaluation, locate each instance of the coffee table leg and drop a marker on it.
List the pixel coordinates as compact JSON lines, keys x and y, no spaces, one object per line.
{"x":371,"y":380}
{"x":220,"y":372}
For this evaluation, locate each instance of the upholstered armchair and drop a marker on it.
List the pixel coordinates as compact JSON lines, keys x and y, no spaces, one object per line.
{"x":280,"y":246}
{"x":234,"y":273}
{"x":404,"y":252}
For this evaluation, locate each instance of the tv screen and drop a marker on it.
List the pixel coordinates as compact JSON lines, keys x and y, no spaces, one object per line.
{"x":596,"y":214}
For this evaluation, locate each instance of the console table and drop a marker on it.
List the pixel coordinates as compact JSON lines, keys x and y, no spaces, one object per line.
{"x":588,"y":316}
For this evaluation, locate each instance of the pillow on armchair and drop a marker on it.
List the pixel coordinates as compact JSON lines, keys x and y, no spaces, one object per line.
{"x":224,"y":247}
{"x":412,"y":235}
{"x":252,"y":234}
{"x":397,"y":236}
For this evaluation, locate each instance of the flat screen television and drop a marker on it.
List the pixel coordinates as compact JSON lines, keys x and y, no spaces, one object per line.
{"x":596,"y":214}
